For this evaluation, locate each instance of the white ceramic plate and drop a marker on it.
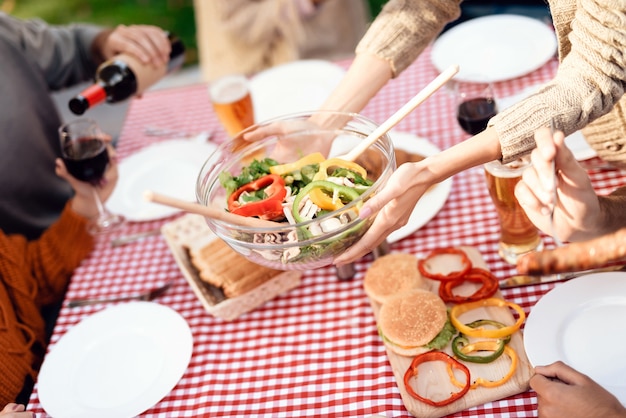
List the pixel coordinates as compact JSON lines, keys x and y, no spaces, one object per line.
{"x":297,"y":86}
{"x":581,"y":323}
{"x":170,"y":168}
{"x":576,"y":142}
{"x":433,"y":200}
{"x":118,"y":362}
{"x":494,"y":48}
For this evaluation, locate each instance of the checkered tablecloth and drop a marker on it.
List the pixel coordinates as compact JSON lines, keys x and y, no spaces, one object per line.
{"x":314,"y":351}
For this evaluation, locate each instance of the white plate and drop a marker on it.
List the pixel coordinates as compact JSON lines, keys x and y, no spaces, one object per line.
{"x":494,"y":48}
{"x":433,"y":200}
{"x":581,"y":323}
{"x":170,"y":168}
{"x":576,"y":142}
{"x":297,"y":86}
{"x":118,"y":362}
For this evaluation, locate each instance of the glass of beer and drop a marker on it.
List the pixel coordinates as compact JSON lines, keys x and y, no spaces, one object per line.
{"x":232,"y":103}
{"x":518,"y":235}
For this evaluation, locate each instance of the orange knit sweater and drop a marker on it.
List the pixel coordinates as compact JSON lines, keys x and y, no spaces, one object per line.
{"x":34,"y":274}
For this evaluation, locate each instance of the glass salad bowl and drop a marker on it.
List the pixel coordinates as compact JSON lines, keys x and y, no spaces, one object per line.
{"x":305,"y":199}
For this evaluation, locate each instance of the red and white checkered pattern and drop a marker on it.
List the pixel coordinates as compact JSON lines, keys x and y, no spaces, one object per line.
{"x":314,"y":351}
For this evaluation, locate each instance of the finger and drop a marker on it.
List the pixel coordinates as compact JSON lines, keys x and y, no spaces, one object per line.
{"x":567,"y":164}
{"x":533,"y":185}
{"x":13,"y":407}
{"x":148,"y":44}
{"x":560,"y":371}
{"x":265,"y":131}
{"x":154,"y":42}
{"x":60,"y":169}
{"x":524,"y":193}
{"x":542,"y":158}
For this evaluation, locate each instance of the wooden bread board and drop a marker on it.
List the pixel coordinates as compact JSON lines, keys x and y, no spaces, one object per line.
{"x":433,"y":380}
{"x":190,"y":231}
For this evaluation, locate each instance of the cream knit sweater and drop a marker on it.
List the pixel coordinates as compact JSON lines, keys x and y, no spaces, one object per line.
{"x":247,"y":36}
{"x":587,"y":91}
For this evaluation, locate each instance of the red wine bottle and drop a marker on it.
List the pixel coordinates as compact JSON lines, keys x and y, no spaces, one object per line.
{"x":124,"y":76}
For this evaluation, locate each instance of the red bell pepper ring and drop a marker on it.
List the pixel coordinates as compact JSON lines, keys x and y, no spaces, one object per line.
{"x":270,"y":207}
{"x":422,"y":265}
{"x":436,"y":356}
{"x":475,"y":274}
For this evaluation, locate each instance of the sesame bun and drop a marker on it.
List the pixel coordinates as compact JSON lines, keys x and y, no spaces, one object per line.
{"x":409,"y":320}
{"x":390,"y":274}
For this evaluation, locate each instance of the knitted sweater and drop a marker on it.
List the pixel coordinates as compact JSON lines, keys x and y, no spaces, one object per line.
{"x":247,"y":36}
{"x":587,"y":91}
{"x":34,"y":274}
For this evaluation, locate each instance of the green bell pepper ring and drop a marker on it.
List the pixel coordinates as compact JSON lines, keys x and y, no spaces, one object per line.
{"x":346,"y":194}
{"x":460,"y":341}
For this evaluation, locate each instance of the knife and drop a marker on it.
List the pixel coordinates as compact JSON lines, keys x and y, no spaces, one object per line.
{"x":118,"y":242}
{"x":524,"y":280}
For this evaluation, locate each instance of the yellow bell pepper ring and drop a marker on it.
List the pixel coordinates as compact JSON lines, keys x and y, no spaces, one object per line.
{"x":321,"y":199}
{"x":484,"y":346}
{"x":503,"y":332}
{"x":322,"y":174}
{"x":283,"y":169}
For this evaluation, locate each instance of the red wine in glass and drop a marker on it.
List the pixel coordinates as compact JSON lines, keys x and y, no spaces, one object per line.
{"x":474,"y":114}
{"x":86,"y":159}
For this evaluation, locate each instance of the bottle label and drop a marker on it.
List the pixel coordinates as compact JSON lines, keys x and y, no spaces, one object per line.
{"x":94,"y":94}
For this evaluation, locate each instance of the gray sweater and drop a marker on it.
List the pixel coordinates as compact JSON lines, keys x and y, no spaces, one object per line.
{"x":35,"y":58}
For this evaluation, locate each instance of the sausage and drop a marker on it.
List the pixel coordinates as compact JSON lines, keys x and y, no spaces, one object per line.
{"x":576,"y":256}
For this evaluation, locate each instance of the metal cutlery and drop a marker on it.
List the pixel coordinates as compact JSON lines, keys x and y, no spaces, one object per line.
{"x":555,"y":193}
{"x":144,"y":296}
{"x":127,"y":239}
{"x":525,"y":280}
{"x":171,"y":133}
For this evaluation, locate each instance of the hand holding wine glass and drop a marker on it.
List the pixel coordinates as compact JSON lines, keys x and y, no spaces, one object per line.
{"x":88,"y":164}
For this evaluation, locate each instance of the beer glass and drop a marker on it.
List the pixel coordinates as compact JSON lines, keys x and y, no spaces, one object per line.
{"x":232,"y":102}
{"x":518,"y":235}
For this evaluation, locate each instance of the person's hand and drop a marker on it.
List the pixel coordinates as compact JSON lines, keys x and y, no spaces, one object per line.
{"x":394,"y":204}
{"x":309,"y":137}
{"x":147,"y":43}
{"x":565,"y":392}
{"x":83,"y":202}
{"x":577,"y":213}
{"x":14,"y":410}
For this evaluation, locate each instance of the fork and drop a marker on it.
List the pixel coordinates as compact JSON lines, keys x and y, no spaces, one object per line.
{"x":145,"y":296}
{"x":555,"y":196}
{"x":157,"y":131}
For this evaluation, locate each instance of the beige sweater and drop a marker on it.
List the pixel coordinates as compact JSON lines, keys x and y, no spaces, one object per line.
{"x":247,"y":36}
{"x":587,"y":91}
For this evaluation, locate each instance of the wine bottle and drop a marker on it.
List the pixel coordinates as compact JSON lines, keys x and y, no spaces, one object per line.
{"x":124,"y":76}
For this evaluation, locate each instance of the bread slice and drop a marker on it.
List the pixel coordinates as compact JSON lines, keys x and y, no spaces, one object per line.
{"x":390,"y":274}
{"x":409,"y":320}
{"x":220,"y":266}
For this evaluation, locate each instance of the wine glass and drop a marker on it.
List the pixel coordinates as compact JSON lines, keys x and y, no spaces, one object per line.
{"x":86,"y":157}
{"x":475,"y":105}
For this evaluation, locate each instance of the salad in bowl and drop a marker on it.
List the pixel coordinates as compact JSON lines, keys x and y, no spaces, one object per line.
{"x":306,"y":201}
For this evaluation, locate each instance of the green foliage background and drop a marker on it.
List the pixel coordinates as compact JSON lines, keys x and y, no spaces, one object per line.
{"x":174,"y":15}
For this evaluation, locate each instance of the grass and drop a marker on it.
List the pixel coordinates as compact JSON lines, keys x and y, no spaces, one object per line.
{"x":177,"y":16}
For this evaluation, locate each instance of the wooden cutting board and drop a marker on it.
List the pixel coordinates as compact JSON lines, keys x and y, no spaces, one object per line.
{"x":433,"y":380}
